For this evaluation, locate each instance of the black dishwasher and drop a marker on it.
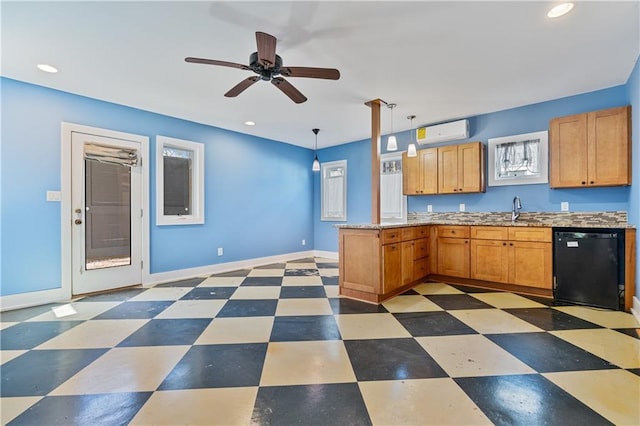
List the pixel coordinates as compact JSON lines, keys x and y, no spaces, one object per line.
{"x":589,"y":267}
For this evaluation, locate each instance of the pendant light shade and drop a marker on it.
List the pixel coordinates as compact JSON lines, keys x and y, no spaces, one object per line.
{"x":316,"y":164}
{"x":392,"y":143}
{"x":411,"y":150}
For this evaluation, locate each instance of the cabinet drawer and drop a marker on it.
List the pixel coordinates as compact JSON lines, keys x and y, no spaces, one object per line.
{"x":421,"y":248}
{"x":421,"y":231}
{"x":453,"y":231}
{"x":489,"y":233}
{"x":529,"y":234}
{"x":391,"y":235}
{"x":407,"y":233}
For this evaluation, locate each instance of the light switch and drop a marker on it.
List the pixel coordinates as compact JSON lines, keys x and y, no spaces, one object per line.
{"x":462,"y":207}
{"x":429,"y":208}
{"x":564,"y":206}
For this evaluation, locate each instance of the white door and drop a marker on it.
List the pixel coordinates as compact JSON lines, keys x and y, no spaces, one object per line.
{"x":106,"y":199}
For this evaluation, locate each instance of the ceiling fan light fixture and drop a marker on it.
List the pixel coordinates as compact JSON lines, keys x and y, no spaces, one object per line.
{"x":560,"y":10}
{"x":411,"y":150}
{"x":392,"y":143}
{"x":316,"y":164}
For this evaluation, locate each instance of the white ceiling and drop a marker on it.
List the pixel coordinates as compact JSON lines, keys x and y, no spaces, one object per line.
{"x":437,"y":60}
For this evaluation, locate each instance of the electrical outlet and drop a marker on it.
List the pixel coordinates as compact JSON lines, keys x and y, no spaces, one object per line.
{"x":429,"y":208}
{"x":304,"y":242}
{"x":220,"y":251}
{"x":462,"y":207}
{"x":564,"y":206}
{"x":53,"y":195}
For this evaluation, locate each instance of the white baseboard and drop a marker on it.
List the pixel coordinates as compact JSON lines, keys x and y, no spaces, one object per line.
{"x":34,"y":298}
{"x":635,"y":309}
{"x":326,"y":254}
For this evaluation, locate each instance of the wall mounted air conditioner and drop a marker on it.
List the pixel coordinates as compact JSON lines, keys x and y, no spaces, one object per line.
{"x":444,"y":132}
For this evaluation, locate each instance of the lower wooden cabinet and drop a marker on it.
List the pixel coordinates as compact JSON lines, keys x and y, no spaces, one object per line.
{"x":453,"y":251}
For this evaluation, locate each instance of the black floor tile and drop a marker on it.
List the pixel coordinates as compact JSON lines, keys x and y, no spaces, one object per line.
{"x":28,"y":335}
{"x":166,"y":332}
{"x":527,"y":400}
{"x":547,"y":353}
{"x":469,"y":289}
{"x":410,"y":292}
{"x":193,"y":282}
{"x":336,"y":404}
{"x":551,"y":319}
{"x":330,"y":280}
{"x":433,"y":324}
{"x":100,"y":409}
{"x":635,"y":371}
{"x":302,"y":292}
{"x":262,"y":281}
{"x":633,"y":332}
{"x":26,"y":313}
{"x":38,"y":372}
{"x":327,"y":265}
{"x":272,"y":266}
{"x":301,"y":273}
{"x":203,"y":293}
{"x":249,"y":308}
{"x":352,"y":306}
{"x":303,"y":328}
{"x":115,"y":296}
{"x":452,"y":302}
{"x":135,"y":310}
{"x":391,"y":359}
{"x":238,"y":273}
{"x":218,"y":366}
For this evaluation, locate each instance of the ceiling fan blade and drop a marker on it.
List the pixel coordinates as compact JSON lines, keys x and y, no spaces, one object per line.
{"x":214,"y":62}
{"x":241,"y":87}
{"x":326,"y":73}
{"x":266,"y":49}
{"x":288,"y":90}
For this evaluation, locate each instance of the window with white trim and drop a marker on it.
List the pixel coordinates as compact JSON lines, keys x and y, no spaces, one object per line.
{"x":333,"y":187}
{"x":393,"y":204}
{"x":179,"y":182}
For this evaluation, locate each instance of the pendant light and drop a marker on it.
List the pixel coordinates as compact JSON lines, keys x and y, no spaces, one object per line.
{"x":392,"y":143}
{"x":316,"y":164}
{"x":411,"y":151}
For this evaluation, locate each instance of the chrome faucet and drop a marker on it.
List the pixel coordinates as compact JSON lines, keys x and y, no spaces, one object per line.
{"x":515,"y":208}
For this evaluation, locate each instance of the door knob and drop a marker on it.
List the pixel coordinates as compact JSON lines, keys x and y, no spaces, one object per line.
{"x":78,"y":221}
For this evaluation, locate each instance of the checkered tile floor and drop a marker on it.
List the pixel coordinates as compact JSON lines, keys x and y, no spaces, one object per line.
{"x":276,"y":345}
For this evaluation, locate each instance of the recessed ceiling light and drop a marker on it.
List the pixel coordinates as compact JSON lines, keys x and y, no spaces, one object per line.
{"x":47,"y":68}
{"x":559,"y":10}
{"x":249,"y":123}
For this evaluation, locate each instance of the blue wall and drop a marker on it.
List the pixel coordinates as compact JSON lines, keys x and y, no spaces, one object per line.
{"x":540,"y":197}
{"x":258,"y":192}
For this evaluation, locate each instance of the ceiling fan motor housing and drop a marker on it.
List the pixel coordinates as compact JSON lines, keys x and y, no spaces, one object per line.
{"x":265,"y":73}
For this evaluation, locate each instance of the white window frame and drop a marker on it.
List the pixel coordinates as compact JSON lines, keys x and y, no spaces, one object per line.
{"x":542,"y":160}
{"x":197,"y":182}
{"x":342,"y":217}
{"x":394,"y":156}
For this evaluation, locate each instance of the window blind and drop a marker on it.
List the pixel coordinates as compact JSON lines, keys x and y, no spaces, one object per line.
{"x":107,"y":154}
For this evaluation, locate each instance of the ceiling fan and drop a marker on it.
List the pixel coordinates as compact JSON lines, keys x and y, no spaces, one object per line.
{"x":269,"y":67}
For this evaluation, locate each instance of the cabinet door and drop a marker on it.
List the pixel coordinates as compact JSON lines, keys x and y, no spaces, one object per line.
{"x":448,"y":169}
{"x":428,"y":170}
{"x":568,"y":151}
{"x":421,"y":248}
{"x":530,"y":264}
{"x":392,"y":266}
{"x":407,"y":262}
{"x":453,"y":257}
{"x":471,"y":167}
{"x":609,"y":148}
{"x":489,"y":260}
{"x":420,"y":268}
{"x":410,"y":175}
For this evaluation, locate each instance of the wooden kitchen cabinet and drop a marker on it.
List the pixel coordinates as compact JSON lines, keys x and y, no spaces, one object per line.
{"x":453,"y":251}
{"x":461,"y":168}
{"x":420,"y":173}
{"x":392,"y":266}
{"x":512,"y":255}
{"x":591,"y":149}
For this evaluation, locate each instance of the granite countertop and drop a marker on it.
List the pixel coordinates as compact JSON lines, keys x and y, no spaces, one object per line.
{"x":536,"y":219}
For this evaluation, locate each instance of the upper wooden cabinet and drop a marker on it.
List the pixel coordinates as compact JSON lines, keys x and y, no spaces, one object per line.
{"x":591,"y":149}
{"x":420,"y":173}
{"x":461,"y":168}
{"x":448,"y":169}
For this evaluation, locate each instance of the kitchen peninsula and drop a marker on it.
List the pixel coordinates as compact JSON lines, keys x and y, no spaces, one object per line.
{"x":485,"y":250}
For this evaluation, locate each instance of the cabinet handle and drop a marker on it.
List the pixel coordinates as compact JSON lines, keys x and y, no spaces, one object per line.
{"x":511,"y":244}
{"x":584,"y":183}
{"x":592,"y":182}
{"x":504,"y":244}
{"x":466,"y":241}
{"x":455,"y":190}
{"x":460,"y":189}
